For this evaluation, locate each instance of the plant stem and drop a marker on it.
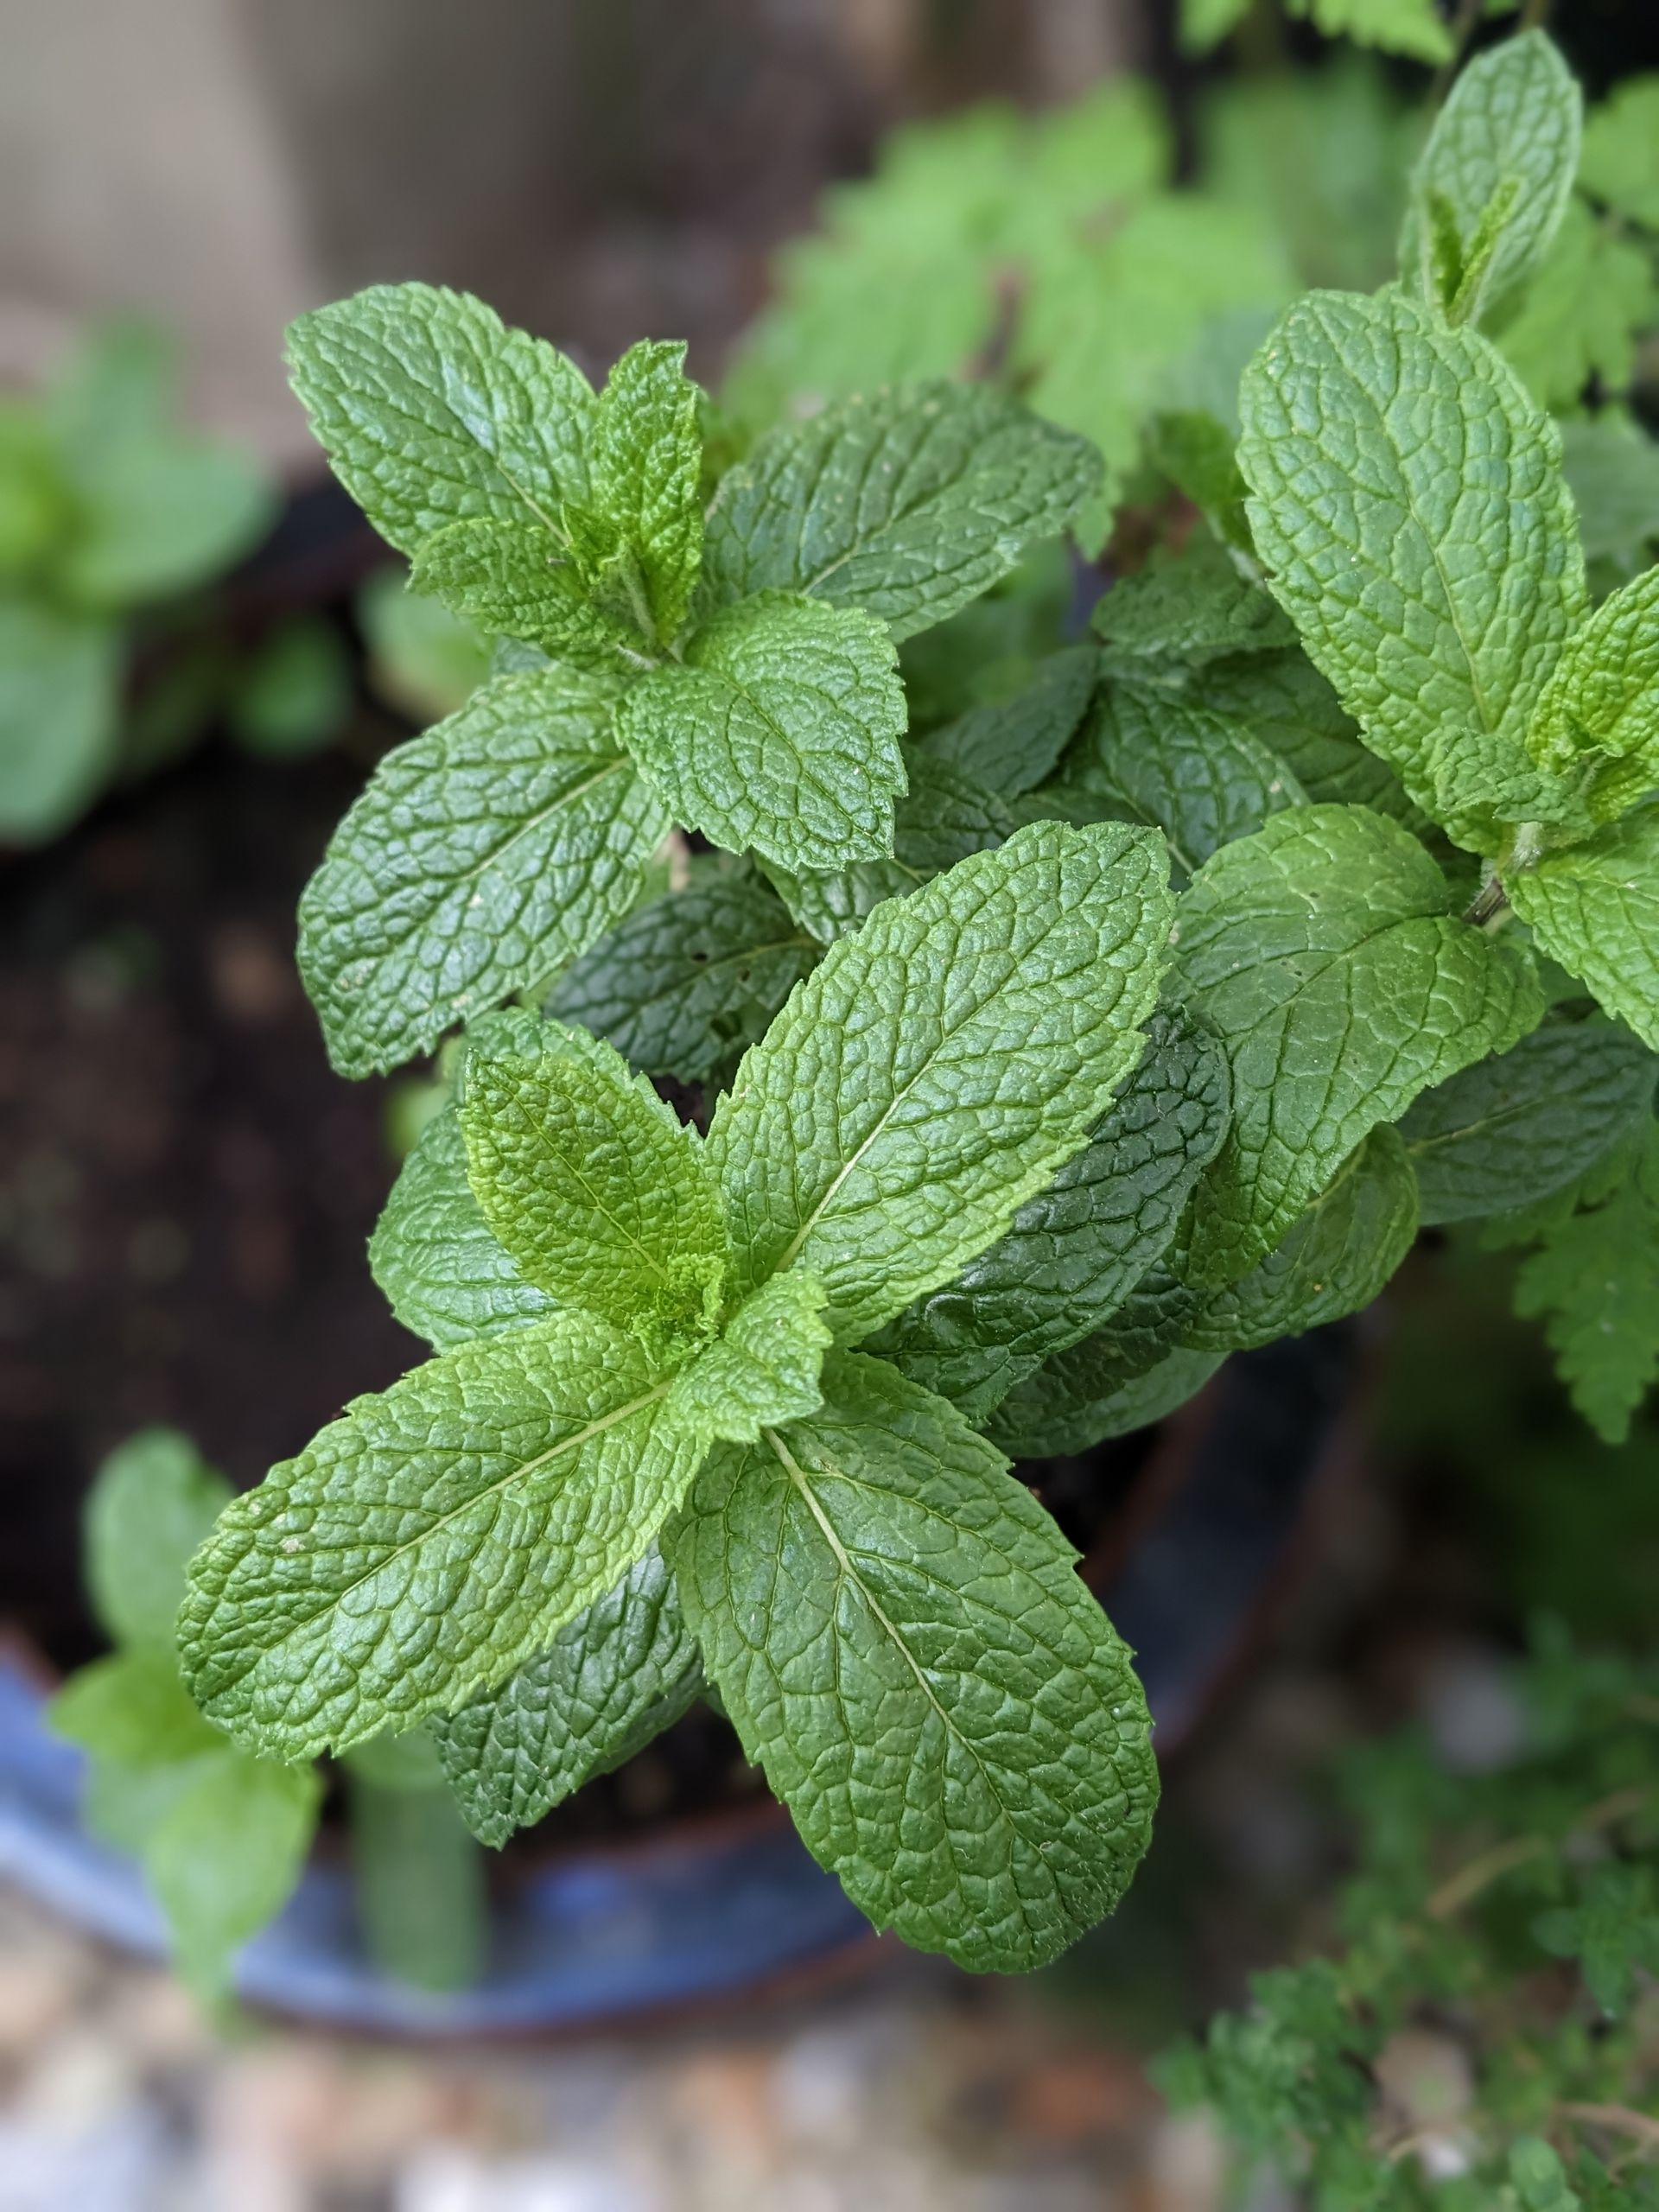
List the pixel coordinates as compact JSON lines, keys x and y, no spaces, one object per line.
{"x":1490,"y":899}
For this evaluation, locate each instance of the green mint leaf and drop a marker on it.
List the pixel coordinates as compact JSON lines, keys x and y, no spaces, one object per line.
{"x":1620,"y":165}
{"x":1334,"y":1261}
{"x":1613,"y":1930}
{"x":779,"y":733}
{"x":1583,"y":313}
{"x":1613,"y":469}
{"x":445,"y":1273}
{"x":1411,"y":26}
{"x":1322,"y":952}
{"x":1408,"y":502}
{"x":151,"y":1502}
{"x":937,"y":1068}
{"x":1112,"y":1383}
{"x":1198,"y":454}
{"x":647,"y":461}
{"x":1540,"y":2179}
{"x":686,"y":982}
{"x":224,"y":1858}
{"x":594,"y":1189}
{"x":1481,"y":782}
{"x":433,"y":1539}
{"x":515,"y":580}
{"x":131,"y":1709}
{"x":1507,"y":138}
{"x":1594,"y":1283}
{"x":909,"y":502}
{"x":1145,"y":754}
{"x":611,"y":1680}
{"x":966,"y":1748}
{"x":1010,"y":745}
{"x":60,"y":717}
{"x":1190,"y":607}
{"x":116,"y":388}
{"x":942,"y":817}
{"x":975,"y":1378}
{"x":1077,"y":1249}
{"x":431,"y":411}
{"x":1597,"y":717}
{"x":481,"y":857}
{"x":1594,"y":908}
{"x":162,"y":516}
{"x":1507,"y":1132}
{"x":765,"y":1367}
{"x":1204,"y":23}
{"x":1291,"y":709}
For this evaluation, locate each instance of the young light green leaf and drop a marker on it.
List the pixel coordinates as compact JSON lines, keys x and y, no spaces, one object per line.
{"x":60,"y":707}
{"x":942,"y":817}
{"x":593,"y":1188}
{"x":516,"y":580}
{"x":1583,"y":314}
{"x":1621,"y":151}
{"x":224,"y":1858}
{"x":132,"y":1710}
{"x":763,"y":1369}
{"x":1509,"y":134}
{"x":1334,"y":1261}
{"x":939,"y":1067}
{"x":1600,"y":711}
{"x":965,"y":1746}
{"x":1011,"y":744}
{"x":646,"y":460}
{"x":1411,"y":26}
{"x":1204,"y":23}
{"x":1190,"y":608}
{"x":163,"y":515}
{"x":1408,"y":502}
{"x":612,"y":1678}
{"x":151,"y":1502}
{"x":433,"y":1539}
{"x":1146,"y":754}
{"x":779,"y":732}
{"x":686,"y":982}
{"x":1124,"y":1377}
{"x":1323,"y":952}
{"x":431,"y":411}
{"x":908,"y":501}
{"x":1507,"y":1131}
{"x":445,"y":1273}
{"x":1594,"y":908}
{"x":481,"y":857}
{"x":1612,"y":468}
{"x":1077,"y":1249}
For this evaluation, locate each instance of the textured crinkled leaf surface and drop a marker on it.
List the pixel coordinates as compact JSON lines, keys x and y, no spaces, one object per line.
{"x":909,"y":501}
{"x":780,"y":731}
{"x":1595,"y":908}
{"x":1011,"y":744}
{"x":1335,"y":1260}
{"x":939,"y":1067}
{"x":594,"y":1187}
{"x":1075,"y":1250}
{"x":647,"y":456}
{"x":624,"y":1667}
{"x":515,"y":580}
{"x":1507,"y":1131}
{"x":900,"y":1635}
{"x":1291,"y":709}
{"x":686,"y":982}
{"x":430,"y":1541}
{"x":1192,"y":607}
{"x":431,"y":411}
{"x":1408,"y":502}
{"x":445,"y":1273}
{"x":1599,"y":710}
{"x":763,"y":1367}
{"x":1323,"y":953}
{"x":481,"y":857}
{"x":1123,"y":1378}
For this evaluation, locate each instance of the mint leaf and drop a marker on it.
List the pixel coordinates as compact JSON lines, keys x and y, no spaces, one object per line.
{"x":1122,"y":1378}
{"x":909,"y":502}
{"x":1204,"y":23}
{"x":1509,"y":134}
{"x":1621,"y":151}
{"x":1594,"y":1283}
{"x":433,"y":1539}
{"x":516,"y":580}
{"x":765,"y":1366}
{"x":646,"y":460}
{"x":1190,"y":608}
{"x":593,"y":1188}
{"x":1612,"y":468}
{"x":1408,"y":502}
{"x":685,"y":983}
{"x":1507,"y":1131}
{"x":1291,"y":709}
{"x":481,"y":857}
{"x":131,"y":1708}
{"x":1011,"y":744}
{"x":966,"y":1747}
{"x":779,"y":733}
{"x":153,"y":1500}
{"x":1146,"y":755}
{"x":59,"y":708}
{"x":1322,"y":952}
{"x":162,"y":515}
{"x":1412,"y":27}
{"x":936,"y":1069}
{"x":1077,"y":1249}
{"x":444,"y":1272}
{"x":1612,"y":1930}
{"x":612,"y":1679}
{"x":224,"y":1858}
{"x":1583,"y":313}
{"x":431,"y":411}
{"x":942,"y":817}
{"x":1598,"y":713}
{"x":1332,"y":1261}
{"x":1594,"y":907}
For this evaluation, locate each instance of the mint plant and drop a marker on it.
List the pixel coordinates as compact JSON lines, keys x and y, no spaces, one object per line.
{"x":1048,"y":1016}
